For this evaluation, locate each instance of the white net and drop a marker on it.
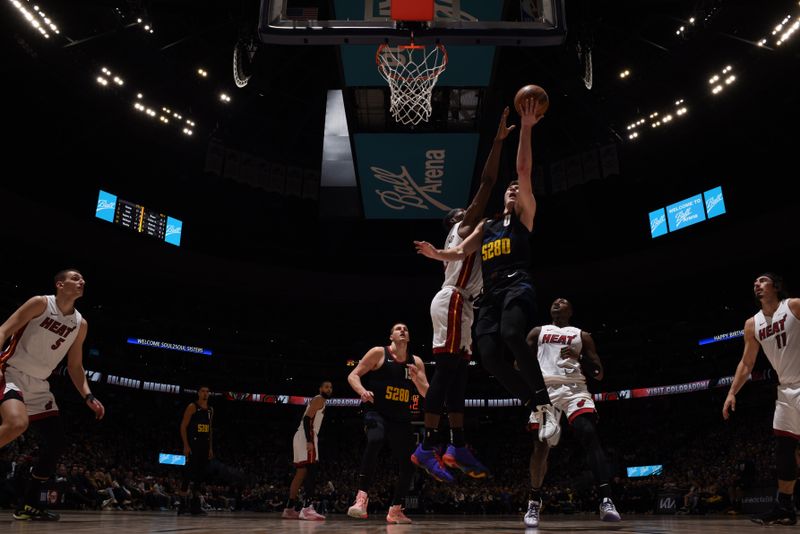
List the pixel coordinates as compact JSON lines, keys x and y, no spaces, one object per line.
{"x":411,"y":73}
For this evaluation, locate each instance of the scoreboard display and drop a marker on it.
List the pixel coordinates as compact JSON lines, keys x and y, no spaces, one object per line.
{"x":138,"y":218}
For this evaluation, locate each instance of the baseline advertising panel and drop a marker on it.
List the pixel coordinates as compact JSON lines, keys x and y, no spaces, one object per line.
{"x":414,"y":176}
{"x":645,"y":470}
{"x":171,"y":459}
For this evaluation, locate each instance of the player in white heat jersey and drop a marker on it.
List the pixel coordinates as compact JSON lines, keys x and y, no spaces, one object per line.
{"x":567,"y":355}
{"x":39,"y":334}
{"x":452,"y":314}
{"x":305,"y":447}
{"x":776,"y":330}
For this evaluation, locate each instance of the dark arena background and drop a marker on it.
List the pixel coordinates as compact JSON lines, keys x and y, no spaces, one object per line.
{"x":228,"y":178}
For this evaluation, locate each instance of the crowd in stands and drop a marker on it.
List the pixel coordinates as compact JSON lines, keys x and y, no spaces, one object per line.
{"x":707,"y":463}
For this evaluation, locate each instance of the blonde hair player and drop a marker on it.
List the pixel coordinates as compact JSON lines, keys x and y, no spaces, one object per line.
{"x":508,"y":303}
{"x":39,"y":334}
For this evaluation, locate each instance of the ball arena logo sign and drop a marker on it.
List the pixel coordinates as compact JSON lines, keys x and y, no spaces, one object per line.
{"x":422,"y":176}
{"x":406,"y":192}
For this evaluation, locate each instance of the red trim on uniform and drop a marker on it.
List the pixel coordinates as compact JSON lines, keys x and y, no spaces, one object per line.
{"x":9,"y":352}
{"x":454,"y":312}
{"x":785,"y":434}
{"x":43,"y":415}
{"x":310,"y":459}
{"x":466,"y":271}
{"x":572,"y":417}
{"x":533,"y":426}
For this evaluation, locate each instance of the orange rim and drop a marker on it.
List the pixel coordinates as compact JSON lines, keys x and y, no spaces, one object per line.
{"x":392,"y":74}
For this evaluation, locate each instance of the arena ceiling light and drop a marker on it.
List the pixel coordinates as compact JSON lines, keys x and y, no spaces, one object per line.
{"x":164,"y":115}
{"x":719,"y":81}
{"x":141,"y":106}
{"x":787,"y":34}
{"x":225,"y":98}
{"x":37,"y":18}
{"x":783,"y":31}
{"x":624,"y":74}
{"x":202,"y":73}
{"x":657,"y":119}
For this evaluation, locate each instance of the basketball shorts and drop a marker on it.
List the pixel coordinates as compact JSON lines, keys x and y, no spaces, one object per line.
{"x":452,"y":315}
{"x":303,"y":456}
{"x":570,"y":399}
{"x":35,"y":392}
{"x":514,"y":287}
{"x":786,"y":421}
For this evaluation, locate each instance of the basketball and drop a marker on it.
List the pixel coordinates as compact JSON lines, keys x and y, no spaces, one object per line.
{"x":532,"y":91}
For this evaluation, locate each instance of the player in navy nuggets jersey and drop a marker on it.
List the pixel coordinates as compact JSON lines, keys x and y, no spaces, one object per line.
{"x":775,"y":329}
{"x":39,"y":334}
{"x":451,"y":314}
{"x":196,"y":433}
{"x":509,"y":301}
{"x":389,"y":377}
{"x":567,"y":355}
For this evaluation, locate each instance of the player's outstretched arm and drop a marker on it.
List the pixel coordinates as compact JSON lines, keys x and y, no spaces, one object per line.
{"x":491,"y":168}
{"x":467,"y":247}
{"x":744,"y":368}
{"x":525,"y":206}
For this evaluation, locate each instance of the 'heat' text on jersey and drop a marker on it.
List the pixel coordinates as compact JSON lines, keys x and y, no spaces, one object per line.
{"x":774,"y":328}
{"x":558,"y":338}
{"x":496,"y":248}
{"x":58,"y":329}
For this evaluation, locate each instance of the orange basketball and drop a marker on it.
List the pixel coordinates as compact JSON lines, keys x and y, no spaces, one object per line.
{"x":532,"y":91}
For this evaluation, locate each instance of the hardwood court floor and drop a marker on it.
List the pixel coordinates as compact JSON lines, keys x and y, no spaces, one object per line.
{"x":234,"y":523}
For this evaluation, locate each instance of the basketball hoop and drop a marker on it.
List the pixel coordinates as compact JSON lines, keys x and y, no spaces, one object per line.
{"x":411,"y":72}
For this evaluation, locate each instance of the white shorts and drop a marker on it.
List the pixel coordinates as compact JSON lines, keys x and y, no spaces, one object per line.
{"x":39,"y":402}
{"x":452,"y":317}
{"x":302,"y":456}
{"x":9,"y":390}
{"x":786,"y":421}
{"x":572,"y":399}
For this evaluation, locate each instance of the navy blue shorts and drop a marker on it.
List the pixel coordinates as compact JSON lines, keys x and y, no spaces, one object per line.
{"x":515,"y":287}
